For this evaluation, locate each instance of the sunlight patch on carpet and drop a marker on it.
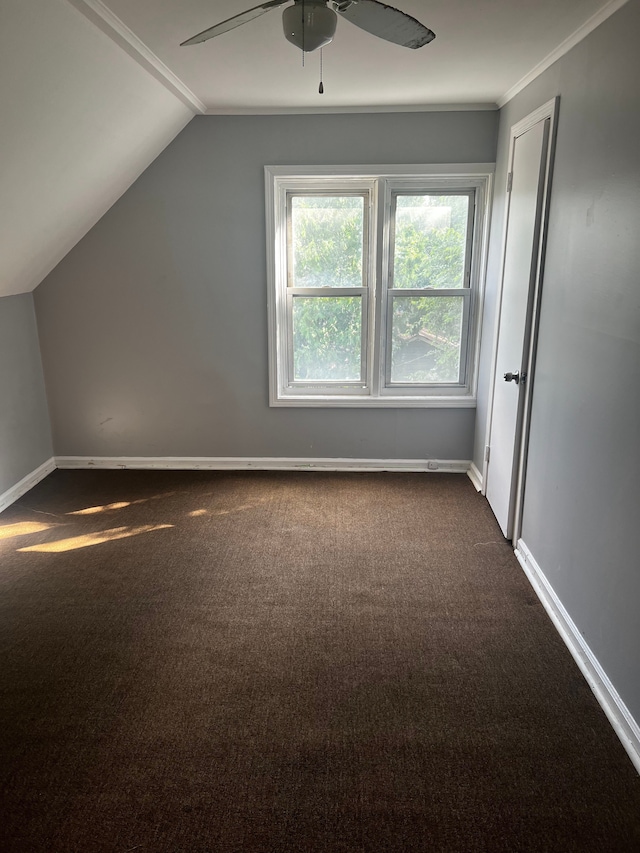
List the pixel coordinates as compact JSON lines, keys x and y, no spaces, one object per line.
{"x":88,"y":539}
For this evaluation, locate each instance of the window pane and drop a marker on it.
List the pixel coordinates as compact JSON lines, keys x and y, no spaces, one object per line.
{"x":430,"y":240}
{"x":327,"y":241}
{"x":425,"y":339}
{"x":327,"y":334}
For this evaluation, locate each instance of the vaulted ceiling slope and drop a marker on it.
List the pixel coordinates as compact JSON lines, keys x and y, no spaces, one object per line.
{"x":81,"y":120}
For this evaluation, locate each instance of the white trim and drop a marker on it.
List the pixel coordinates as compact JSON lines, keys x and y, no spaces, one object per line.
{"x":363,"y":108}
{"x":109,"y":23}
{"x":262,"y":463}
{"x":475,"y":476}
{"x":441,"y":171}
{"x":548,"y":110}
{"x":617,"y":712}
{"x":28,"y":482}
{"x":385,"y":401}
{"x":564,"y":47}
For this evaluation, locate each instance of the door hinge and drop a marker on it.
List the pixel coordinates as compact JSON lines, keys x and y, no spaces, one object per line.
{"x":487,"y":453}
{"x":509,"y":181}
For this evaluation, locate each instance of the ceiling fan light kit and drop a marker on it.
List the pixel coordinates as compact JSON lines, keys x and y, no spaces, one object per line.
{"x":309,"y":24}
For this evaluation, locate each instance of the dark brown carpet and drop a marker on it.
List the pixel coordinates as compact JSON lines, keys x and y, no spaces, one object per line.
{"x":309,"y":663}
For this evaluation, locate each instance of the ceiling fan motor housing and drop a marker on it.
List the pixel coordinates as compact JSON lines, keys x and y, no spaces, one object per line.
{"x":309,"y":24}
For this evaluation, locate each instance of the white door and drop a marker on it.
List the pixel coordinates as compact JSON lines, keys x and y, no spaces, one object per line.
{"x":527,"y":192}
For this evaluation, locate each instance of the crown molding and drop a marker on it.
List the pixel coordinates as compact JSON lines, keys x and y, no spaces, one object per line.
{"x":96,"y":12}
{"x":564,"y":47}
{"x":337,"y":110}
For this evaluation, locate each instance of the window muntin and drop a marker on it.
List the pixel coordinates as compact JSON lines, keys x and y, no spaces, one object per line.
{"x":377,"y":323}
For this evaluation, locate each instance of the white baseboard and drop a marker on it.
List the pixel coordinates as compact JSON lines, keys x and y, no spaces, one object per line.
{"x":267,"y":463}
{"x":28,"y":482}
{"x":617,"y":712}
{"x":475,"y":476}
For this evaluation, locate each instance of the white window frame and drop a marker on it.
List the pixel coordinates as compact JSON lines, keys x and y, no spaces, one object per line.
{"x":381,"y":184}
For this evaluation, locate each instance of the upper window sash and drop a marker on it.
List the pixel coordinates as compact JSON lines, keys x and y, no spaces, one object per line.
{"x":311,"y":202}
{"x":464,"y":195}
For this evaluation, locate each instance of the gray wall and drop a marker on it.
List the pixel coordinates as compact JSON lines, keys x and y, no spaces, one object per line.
{"x":25,"y":436}
{"x":154,"y":328}
{"x":581,"y":506}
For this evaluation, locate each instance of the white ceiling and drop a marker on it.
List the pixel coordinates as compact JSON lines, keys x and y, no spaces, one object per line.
{"x":483,"y":48}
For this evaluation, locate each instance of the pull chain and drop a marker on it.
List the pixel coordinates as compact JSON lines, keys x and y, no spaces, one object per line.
{"x":321,"y":86}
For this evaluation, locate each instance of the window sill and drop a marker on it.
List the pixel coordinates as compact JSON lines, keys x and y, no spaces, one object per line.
{"x":387,"y":402}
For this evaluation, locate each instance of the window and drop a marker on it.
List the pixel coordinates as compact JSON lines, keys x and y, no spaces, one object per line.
{"x":375,"y":284}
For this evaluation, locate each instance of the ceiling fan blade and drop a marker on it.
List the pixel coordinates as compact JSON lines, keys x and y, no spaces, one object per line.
{"x":236,"y":21}
{"x":385,"y":22}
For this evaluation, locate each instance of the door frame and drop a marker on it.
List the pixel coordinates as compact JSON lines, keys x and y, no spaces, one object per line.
{"x":549,"y":110}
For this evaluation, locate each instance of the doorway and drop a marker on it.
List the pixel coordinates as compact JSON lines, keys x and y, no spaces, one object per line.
{"x":528,"y":189}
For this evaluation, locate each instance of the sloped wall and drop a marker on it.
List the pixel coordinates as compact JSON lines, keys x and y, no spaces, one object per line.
{"x":80,"y":120}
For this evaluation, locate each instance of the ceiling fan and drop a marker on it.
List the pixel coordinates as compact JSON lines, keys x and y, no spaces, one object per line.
{"x":311,"y":24}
